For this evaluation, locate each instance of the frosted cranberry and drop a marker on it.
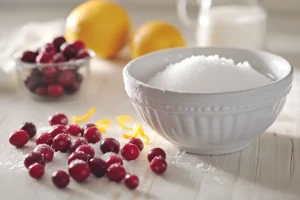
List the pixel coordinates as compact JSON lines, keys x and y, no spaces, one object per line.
{"x":55,"y":90}
{"x":137,"y":142}
{"x":79,"y":44}
{"x":28,"y":56}
{"x":92,"y":135}
{"x":84,"y":127}
{"x":98,"y":167}
{"x":32,"y":158}
{"x":114,"y":160}
{"x":60,"y":179}
{"x":78,"y":155}
{"x":116,"y":173}
{"x":66,"y":77}
{"x":87,"y":149}
{"x":44,"y":138}
{"x":41,"y":91}
{"x":156,"y":152}
{"x":79,"y":170}
{"x":49,"y":48}
{"x":69,"y":50}
{"x":158,"y":165}
{"x":57,"y":129}
{"x":50,"y":71}
{"x":45,"y":150}
{"x":131,"y":181}
{"x":62,"y":143}
{"x":44,"y":57}
{"x":71,"y":89}
{"x":58,"y":118}
{"x":110,"y":145}
{"x":19,"y":138}
{"x":79,"y":141}
{"x":59,"y":57}
{"x":58,"y":41}
{"x":36,"y":170}
{"x":30,"y":128}
{"x":130,"y":151}
{"x":82,"y":54}
{"x":74,"y":129}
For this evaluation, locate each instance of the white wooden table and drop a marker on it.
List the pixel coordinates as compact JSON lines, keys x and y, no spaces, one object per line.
{"x":268,"y":169}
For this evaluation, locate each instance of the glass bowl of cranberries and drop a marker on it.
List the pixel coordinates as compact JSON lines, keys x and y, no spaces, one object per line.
{"x":55,"y":70}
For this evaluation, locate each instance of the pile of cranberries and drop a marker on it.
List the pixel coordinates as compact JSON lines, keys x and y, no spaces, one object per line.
{"x":53,"y":75}
{"x":82,"y":160}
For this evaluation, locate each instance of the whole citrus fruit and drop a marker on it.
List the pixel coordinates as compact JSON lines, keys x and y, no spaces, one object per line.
{"x":102,"y":25}
{"x":153,"y":36}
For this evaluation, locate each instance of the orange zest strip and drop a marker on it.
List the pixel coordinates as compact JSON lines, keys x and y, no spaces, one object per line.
{"x":138,"y":131}
{"x":121,"y":121}
{"x":84,"y":117}
{"x":103,"y":124}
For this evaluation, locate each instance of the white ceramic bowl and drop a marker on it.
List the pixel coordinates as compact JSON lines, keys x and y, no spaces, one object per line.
{"x":211,"y":123}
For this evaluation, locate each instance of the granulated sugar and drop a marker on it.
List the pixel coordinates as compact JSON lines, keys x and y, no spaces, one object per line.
{"x":208,"y":75}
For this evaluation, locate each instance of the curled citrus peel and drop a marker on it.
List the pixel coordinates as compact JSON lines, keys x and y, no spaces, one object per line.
{"x":121,"y":121}
{"x":103,"y":124}
{"x":84,"y":117}
{"x":137,"y":131}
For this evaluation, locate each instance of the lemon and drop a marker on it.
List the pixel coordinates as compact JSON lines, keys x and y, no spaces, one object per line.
{"x":153,"y":36}
{"x":101,"y":24}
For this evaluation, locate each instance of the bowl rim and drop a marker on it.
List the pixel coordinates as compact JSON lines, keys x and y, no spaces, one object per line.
{"x":147,"y":86}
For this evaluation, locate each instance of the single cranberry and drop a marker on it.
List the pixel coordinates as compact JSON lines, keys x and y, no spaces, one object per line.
{"x":55,"y":90}
{"x":87,"y":149}
{"x":41,"y":91}
{"x":58,"y":41}
{"x":158,"y":165}
{"x":44,"y":138}
{"x":92,"y":135}
{"x":44,"y":57}
{"x":30,"y":128}
{"x":131,"y":181}
{"x":59,"y":58}
{"x":50,"y":71}
{"x":32,"y":158}
{"x":74,"y":129}
{"x":79,"y":44}
{"x":156,"y":152}
{"x":98,"y":167}
{"x":28,"y":56}
{"x":66,"y":77}
{"x":82,"y":54}
{"x":110,"y":145}
{"x":114,"y":160}
{"x":137,"y":142}
{"x":49,"y":48}
{"x":57,"y":129}
{"x":130,"y":151}
{"x":60,"y":179}
{"x":69,"y":50}
{"x":61,"y":142}
{"x":79,"y":170}
{"x":116,"y":173}
{"x":19,"y":138}
{"x":78,"y":155}
{"x":58,"y":118}
{"x":84,"y":127}
{"x":45,"y":150}
{"x":32,"y":83}
{"x":71,"y":89}
{"x":46,"y":80}
{"x":79,"y":141}
{"x":36,"y":170}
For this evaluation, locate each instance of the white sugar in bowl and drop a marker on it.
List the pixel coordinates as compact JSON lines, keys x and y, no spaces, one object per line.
{"x":208,"y":123}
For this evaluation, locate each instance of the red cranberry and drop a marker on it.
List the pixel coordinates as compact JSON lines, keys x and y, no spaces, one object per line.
{"x":44,"y":138}
{"x":114,"y":160}
{"x":49,"y":48}
{"x":45,"y":150}
{"x":58,"y":118}
{"x":32,"y":83}
{"x":74,"y":129}
{"x":55,"y":90}
{"x":79,"y":170}
{"x":62,"y":143}
{"x":59,"y":58}
{"x":87,"y":149}
{"x":116,"y":173}
{"x":78,"y":155}
{"x":131,"y":181}
{"x":137,"y":142}
{"x":130,"y":151}
{"x":88,"y":125}
{"x":58,"y":41}
{"x":46,"y":80}
{"x":79,"y":44}
{"x":32,"y":158}
{"x":41,"y":91}
{"x":110,"y":145}
{"x":71,"y":89}
{"x":92,"y":135}
{"x":36,"y":170}
{"x":79,"y":141}
{"x":30,"y":128}
{"x":66,"y":77}
{"x":50,"y":71}
{"x":57,"y":129}
{"x":19,"y":138}
{"x":69,"y":50}
{"x":28,"y":56}
{"x":82,"y":54}
{"x":98,"y":167}
{"x":156,"y":152}
{"x":158,"y":165}
{"x":44,"y":57}
{"x":60,"y":179}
